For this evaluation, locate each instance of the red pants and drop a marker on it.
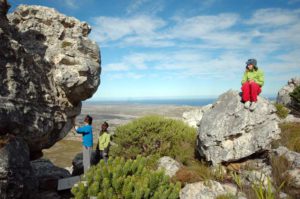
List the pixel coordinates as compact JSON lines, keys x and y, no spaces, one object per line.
{"x":250,"y":91}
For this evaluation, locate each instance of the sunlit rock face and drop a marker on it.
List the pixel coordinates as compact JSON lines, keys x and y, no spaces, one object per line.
{"x":48,"y":65}
{"x":229,"y":132}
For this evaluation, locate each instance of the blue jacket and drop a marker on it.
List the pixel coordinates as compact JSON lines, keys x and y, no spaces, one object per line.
{"x":87,"y":135}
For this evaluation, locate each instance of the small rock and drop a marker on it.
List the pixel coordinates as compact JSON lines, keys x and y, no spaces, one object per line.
{"x":169,"y":165}
{"x":193,"y":118}
{"x":294,"y":178}
{"x":207,"y":190}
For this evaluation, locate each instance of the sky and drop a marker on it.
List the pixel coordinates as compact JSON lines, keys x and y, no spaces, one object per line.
{"x":187,"y":49}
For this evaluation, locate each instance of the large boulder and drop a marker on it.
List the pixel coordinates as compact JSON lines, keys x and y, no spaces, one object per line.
{"x":283,"y":96}
{"x":229,"y":132}
{"x":193,"y":117}
{"x":48,"y":66}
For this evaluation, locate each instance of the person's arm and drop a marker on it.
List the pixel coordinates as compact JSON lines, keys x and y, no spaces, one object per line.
{"x":260,"y":78}
{"x":82,"y":130}
{"x":244,"y":78}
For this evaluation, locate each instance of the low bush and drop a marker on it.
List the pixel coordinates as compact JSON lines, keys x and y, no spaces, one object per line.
{"x":155,"y":136}
{"x":281,"y":111}
{"x":125,"y":179}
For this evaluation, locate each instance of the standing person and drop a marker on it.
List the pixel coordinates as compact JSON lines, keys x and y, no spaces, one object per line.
{"x":87,"y":141}
{"x":104,"y":141}
{"x":252,"y":82}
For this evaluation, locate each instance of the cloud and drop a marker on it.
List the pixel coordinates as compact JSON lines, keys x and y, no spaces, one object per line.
{"x":274,"y":17}
{"x":107,"y":29}
{"x":72,"y":4}
{"x":135,"y":4}
{"x":199,"y":26}
{"x":211,"y":47}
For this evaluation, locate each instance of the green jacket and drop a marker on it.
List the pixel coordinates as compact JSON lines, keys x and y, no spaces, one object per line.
{"x":104,"y":141}
{"x":257,"y":76}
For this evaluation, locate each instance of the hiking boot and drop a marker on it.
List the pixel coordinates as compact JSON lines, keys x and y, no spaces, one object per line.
{"x":253,"y":106}
{"x":247,"y":105}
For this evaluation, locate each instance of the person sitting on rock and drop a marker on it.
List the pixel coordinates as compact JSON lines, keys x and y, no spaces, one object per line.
{"x":87,"y":141}
{"x":103,"y":142}
{"x":252,"y":82}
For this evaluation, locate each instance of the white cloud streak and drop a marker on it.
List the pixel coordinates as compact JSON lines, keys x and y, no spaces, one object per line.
{"x":194,"y":41}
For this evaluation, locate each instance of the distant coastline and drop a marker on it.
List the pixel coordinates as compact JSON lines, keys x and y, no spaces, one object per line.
{"x":176,"y":102}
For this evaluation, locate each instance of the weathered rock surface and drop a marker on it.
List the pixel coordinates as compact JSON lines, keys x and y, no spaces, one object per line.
{"x":169,"y":165}
{"x":47,"y":67}
{"x":207,"y":190}
{"x":291,"y":156}
{"x":16,"y":176}
{"x":283,"y":96}
{"x":48,"y":174}
{"x":193,"y":117}
{"x":229,"y":132}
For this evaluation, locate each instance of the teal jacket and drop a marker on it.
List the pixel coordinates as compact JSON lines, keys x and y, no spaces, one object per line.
{"x":257,"y":76}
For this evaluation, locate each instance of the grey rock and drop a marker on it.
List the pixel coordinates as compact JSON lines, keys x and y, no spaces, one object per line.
{"x":77,"y":163}
{"x":169,"y":165}
{"x":207,"y":190}
{"x":254,"y":177}
{"x":229,"y":132}
{"x":283,"y":96}
{"x":48,"y":66}
{"x":290,"y":118}
{"x":193,"y":117}
{"x":292,"y":156}
{"x":17,"y":180}
{"x":48,"y":174}
{"x":294,"y":178}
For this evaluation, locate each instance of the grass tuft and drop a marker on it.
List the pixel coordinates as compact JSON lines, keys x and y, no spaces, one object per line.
{"x":290,"y":137}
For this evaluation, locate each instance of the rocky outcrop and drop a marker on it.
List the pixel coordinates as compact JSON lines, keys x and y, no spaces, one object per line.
{"x":16,"y":176}
{"x":193,"y":117}
{"x":283,"y":96}
{"x":48,"y":66}
{"x":169,"y":165}
{"x":208,"y":190}
{"x":229,"y":132}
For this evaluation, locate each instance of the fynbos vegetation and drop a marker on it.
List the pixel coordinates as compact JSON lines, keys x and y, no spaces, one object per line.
{"x":127,"y":179}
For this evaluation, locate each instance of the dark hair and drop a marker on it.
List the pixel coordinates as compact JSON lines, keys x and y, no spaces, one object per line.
{"x":88,"y":119}
{"x":106,"y":124}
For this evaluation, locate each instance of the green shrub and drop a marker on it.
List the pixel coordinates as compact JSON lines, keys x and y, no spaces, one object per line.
{"x":130,"y":179}
{"x":281,"y":111}
{"x":295,"y":95}
{"x":155,"y":136}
